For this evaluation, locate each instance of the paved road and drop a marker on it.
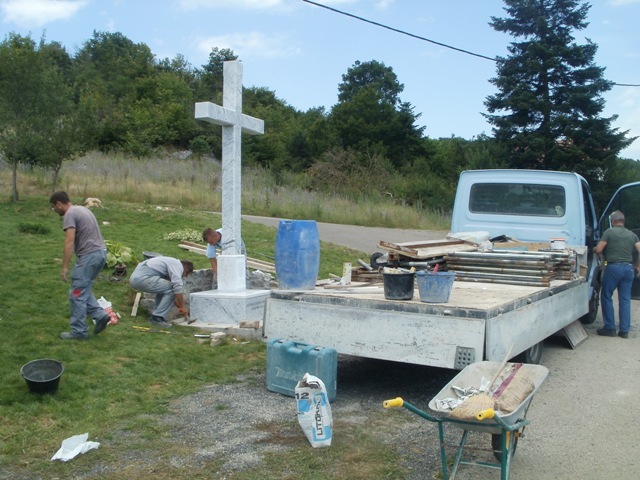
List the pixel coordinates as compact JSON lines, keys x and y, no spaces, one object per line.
{"x":583,"y":418}
{"x":364,"y":239}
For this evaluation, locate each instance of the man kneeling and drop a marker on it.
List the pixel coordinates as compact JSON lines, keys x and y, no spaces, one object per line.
{"x":163,"y":276}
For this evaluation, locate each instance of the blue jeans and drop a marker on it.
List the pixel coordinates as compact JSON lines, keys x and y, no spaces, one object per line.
{"x":617,"y":276}
{"x":146,"y":280}
{"x":81,"y":298}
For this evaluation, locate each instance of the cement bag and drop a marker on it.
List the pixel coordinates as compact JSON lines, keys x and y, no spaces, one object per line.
{"x":314,"y":411}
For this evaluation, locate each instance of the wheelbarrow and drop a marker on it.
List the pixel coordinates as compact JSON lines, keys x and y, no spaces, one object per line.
{"x":505,"y":429}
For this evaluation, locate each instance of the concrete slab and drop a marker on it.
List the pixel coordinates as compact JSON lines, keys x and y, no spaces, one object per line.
{"x":231,"y":308}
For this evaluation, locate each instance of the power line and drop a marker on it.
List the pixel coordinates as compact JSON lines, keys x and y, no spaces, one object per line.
{"x":427,"y":39}
{"x":399,"y":31}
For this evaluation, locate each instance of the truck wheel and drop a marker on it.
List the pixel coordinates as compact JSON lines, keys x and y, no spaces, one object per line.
{"x":594,"y":305}
{"x":532,"y":354}
{"x":375,"y":264}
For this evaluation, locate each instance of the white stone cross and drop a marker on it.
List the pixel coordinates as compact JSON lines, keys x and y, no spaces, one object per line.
{"x":232,"y":264}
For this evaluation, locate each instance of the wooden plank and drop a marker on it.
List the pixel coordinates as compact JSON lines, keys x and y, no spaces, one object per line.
{"x":251,"y":262}
{"x":422,"y":250}
{"x":136,"y":302}
{"x":423,"y":243}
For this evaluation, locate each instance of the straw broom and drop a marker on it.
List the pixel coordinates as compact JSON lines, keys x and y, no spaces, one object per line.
{"x":468,"y":409}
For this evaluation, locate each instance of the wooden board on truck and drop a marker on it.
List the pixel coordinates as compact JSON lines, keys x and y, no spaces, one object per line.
{"x":425,"y":249}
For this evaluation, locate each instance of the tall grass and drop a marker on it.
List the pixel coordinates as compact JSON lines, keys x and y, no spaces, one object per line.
{"x":196,"y":183}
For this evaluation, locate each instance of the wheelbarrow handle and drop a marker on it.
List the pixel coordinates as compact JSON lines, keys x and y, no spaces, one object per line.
{"x":485,"y":414}
{"x":393,"y":403}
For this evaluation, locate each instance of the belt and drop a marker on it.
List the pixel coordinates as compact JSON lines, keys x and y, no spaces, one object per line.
{"x":618,"y":263}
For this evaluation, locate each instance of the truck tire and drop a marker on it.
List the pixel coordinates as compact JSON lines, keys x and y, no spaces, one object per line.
{"x":373,"y":261}
{"x":532,"y":354}
{"x":594,"y":305}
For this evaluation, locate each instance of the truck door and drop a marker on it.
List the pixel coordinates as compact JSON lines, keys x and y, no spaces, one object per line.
{"x":627,"y":200}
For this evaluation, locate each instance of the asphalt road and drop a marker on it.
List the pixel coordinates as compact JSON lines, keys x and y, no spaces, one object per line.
{"x":583,"y":416}
{"x":364,"y":239}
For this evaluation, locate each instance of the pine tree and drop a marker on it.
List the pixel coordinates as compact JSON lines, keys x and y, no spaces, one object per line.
{"x":552,"y":90}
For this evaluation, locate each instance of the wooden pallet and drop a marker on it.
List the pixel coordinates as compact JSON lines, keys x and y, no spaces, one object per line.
{"x":426,"y":249}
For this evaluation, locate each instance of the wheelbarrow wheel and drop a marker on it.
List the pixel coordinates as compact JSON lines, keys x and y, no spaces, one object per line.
{"x":496,"y":443}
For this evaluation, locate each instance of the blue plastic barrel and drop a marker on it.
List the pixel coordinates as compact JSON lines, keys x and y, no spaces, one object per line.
{"x":297,"y":254}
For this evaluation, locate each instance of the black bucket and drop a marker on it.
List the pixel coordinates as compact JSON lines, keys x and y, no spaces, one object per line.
{"x":398,"y":286}
{"x":43,"y":375}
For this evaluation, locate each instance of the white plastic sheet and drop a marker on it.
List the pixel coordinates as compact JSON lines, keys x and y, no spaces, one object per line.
{"x":74,"y":446}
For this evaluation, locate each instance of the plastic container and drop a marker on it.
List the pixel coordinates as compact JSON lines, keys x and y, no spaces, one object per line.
{"x":288,"y":361}
{"x":42,"y":375}
{"x":435,"y":287}
{"x":398,"y":286}
{"x":297,"y":256}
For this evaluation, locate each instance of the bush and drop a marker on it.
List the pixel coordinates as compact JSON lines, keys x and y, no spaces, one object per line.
{"x":33,"y":228}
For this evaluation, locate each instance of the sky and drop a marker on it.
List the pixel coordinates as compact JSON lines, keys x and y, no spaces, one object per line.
{"x":300,"y":51}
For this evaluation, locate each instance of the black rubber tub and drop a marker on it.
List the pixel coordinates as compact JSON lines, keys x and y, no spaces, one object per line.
{"x":398,"y":286}
{"x":42,"y":375}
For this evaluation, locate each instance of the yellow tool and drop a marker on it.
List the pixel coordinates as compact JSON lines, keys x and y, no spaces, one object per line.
{"x":152,"y":330}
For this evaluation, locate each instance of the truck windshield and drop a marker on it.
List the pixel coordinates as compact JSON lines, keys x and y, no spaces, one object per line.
{"x":518,"y":199}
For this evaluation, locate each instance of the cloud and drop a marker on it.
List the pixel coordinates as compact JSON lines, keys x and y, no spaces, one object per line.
{"x":250,"y":44}
{"x":36,"y":13}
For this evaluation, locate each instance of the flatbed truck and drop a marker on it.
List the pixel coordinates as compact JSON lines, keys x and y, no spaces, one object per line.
{"x":481,"y":320}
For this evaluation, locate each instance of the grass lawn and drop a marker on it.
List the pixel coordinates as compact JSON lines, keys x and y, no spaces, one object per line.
{"x":113,"y":381}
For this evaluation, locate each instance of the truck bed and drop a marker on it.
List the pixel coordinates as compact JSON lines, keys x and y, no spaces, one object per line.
{"x":480,"y":321}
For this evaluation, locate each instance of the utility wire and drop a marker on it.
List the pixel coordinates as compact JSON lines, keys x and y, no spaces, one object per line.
{"x":427,"y":39}
{"x":399,"y":31}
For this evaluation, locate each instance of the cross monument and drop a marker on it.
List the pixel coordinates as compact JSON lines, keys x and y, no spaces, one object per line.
{"x":232,"y":263}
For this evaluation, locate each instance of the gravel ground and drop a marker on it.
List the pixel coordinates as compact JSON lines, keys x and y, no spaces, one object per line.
{"x":582,"y":418}
{"x":242,"y":421}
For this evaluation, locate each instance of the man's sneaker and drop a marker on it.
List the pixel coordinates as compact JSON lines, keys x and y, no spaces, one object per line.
{"x":623,"y":334}
{"x":605,"y":332}
{"x":159,"y":322}
{"x":71,"y":336}
{"x":101,"y":324}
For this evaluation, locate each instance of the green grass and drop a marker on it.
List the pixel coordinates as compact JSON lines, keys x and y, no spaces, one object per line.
{"x":117,"y":381}
{"x":115,"y":385}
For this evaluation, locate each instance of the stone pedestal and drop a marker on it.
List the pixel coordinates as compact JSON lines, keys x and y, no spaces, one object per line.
{"x":231,"y":308}
{"x":232,"y":273}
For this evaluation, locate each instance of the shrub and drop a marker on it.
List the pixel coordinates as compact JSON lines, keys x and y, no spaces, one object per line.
{"x":33,"y":228}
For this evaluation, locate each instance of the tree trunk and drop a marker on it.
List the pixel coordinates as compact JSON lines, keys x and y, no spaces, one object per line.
{"x":15,"y":181}
{"x":56,"y":171}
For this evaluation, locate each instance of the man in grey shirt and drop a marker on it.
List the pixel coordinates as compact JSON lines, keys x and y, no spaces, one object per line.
{"x":163,"y":276}
{"x":82,"y":236}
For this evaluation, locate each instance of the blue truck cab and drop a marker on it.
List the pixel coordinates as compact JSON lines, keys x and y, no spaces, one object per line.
{"x":540,"y":205}
{"x":527,"y":205}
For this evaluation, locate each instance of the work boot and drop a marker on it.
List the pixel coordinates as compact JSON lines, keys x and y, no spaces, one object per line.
{"x":71,"y":336}
{"x":159,"y":322}
{"x":605,"y":332}
{"x":101,"y":324}
{"x":623,"y":334}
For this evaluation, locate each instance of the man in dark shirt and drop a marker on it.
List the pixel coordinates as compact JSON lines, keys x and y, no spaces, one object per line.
{"x":618,"y":245}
